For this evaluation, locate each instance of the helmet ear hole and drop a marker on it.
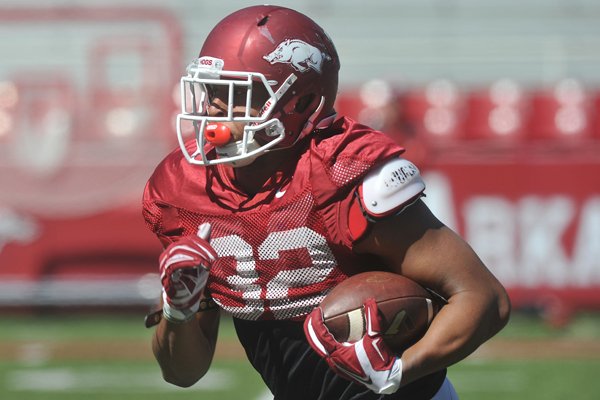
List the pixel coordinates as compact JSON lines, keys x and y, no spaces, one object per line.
{"x":303,"y":103}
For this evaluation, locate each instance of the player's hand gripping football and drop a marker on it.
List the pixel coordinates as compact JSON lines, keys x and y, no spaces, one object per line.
{"x":368,"y":361}
{"x":184,"y":267}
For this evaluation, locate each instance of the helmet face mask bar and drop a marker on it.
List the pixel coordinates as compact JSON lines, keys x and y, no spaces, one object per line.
{"x":205,"y":77}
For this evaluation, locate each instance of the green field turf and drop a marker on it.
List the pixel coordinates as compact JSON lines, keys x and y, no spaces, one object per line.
{"x":28,"y":372}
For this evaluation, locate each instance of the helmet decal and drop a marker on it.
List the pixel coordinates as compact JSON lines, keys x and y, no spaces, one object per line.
{"x":300,"y":55}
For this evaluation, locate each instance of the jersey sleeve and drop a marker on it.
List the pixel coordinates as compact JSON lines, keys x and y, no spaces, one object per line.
{"x":158,"y":209}
{"x":159,"y":216}
{"x":339,"y":165}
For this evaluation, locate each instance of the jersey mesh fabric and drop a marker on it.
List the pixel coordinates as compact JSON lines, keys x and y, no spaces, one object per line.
{"x":345,"y":170}
{"x":273,"y":263}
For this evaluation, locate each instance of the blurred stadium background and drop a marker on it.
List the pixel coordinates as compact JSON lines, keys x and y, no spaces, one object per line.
{"x":497,"y":101}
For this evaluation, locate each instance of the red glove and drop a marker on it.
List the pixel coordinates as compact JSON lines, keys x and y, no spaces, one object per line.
{"x":368,"y":361}
{"x":184,"y":267}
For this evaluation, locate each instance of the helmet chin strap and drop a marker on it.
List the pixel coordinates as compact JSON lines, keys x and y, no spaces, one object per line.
{"x":310,"y":123}
{"x":309,"y":126}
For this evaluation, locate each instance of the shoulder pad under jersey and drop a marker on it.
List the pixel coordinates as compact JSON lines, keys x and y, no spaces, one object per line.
{"x":385,"y":191}
{"x":390,"y":187}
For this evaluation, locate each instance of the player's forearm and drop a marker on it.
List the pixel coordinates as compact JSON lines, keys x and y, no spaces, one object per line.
{"x":183,"y":351}
{"x":469,"y":319}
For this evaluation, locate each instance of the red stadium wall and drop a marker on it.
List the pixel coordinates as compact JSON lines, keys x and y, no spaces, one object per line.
{"x":83,"y":122}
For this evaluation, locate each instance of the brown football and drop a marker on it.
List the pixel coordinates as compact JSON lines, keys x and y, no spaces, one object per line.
{"x":406,"y":309}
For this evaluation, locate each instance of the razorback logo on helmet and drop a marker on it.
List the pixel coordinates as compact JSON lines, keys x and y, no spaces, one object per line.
{"x":301,"y":55}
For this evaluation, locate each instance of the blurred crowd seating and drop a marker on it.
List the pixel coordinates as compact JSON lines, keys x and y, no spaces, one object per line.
{"x":441,"y":113}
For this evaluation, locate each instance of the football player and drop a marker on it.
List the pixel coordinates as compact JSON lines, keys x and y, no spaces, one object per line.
{"x":273,"y":200}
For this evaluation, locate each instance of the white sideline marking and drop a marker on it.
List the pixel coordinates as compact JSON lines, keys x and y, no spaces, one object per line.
{"x":72,"y":380}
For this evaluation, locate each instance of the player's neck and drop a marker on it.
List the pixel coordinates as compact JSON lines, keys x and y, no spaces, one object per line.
{"x":267,"y":170}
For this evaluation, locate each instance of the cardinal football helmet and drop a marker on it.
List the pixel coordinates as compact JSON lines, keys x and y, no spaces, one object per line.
{"x":261,"y":48}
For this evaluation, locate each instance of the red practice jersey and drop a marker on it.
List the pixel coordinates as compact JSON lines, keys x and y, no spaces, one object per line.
{"x":283,"y":249}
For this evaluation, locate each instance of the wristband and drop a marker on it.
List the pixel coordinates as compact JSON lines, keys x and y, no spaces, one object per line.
{"x":176,"y":316}
{"x":154,"y":317}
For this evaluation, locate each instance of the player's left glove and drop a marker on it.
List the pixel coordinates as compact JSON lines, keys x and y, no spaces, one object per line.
{"x":184,"y":267}
{"x":368,"y":361}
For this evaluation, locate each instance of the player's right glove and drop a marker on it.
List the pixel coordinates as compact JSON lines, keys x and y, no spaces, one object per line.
{"x":367,"y":361}
{"x":184,"y":267}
